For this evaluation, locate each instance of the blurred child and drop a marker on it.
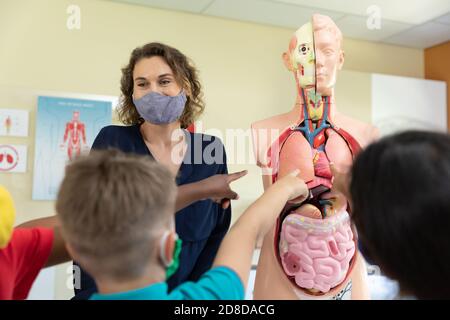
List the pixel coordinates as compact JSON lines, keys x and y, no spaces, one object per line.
{"x":399,"y":189}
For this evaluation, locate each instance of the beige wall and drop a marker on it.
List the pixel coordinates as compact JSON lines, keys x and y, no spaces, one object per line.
{"x":240,"y":67}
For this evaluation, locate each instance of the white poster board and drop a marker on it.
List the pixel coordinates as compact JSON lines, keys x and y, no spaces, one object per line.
{"x":13,"y":122}
{"x":13,"y":158}
{"x":401,"y":103}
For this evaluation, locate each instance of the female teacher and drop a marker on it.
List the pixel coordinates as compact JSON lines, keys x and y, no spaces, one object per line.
{"x":161,"y":97}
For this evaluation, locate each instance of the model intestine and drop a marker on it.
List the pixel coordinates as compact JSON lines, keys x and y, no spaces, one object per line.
{"x":316,"y":256}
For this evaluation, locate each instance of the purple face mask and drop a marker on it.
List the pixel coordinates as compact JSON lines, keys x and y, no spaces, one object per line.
{"x":160,"y":109}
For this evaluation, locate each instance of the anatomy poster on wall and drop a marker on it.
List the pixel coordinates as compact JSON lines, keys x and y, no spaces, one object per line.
{"x":65,"y":128}
{"x":13,"y":158}
{"x":13,"y":123}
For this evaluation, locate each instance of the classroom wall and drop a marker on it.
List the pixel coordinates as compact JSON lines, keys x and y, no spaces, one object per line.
{"x":240,"y":67}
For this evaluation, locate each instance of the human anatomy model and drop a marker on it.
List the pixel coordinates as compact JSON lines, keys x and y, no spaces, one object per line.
{"x":311,"y":252}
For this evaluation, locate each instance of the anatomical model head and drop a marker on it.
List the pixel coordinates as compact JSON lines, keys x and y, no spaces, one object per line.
{"x":314,"y":56}
{"x":76,"y":115}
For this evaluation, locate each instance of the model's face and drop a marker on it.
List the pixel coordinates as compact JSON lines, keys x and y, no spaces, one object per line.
{"x":154,"y":75}
{"x":315,"y":57}
{"x":76,"y":115}
{"x":328,"y":61}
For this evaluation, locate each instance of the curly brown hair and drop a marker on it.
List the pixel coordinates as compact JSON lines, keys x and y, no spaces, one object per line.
{"x":184,"y":72}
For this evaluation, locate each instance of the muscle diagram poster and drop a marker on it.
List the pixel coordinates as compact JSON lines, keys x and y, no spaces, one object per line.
{"x":65,"y":129}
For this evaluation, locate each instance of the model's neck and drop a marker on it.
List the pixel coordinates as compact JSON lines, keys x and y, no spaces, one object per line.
{"x":110,"y":286}
{"x":160,"y":133}
{"x":310,"y":105}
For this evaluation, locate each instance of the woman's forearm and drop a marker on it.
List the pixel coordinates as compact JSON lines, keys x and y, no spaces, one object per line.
{"x":216,"y":188}
{"x":188,"y":194}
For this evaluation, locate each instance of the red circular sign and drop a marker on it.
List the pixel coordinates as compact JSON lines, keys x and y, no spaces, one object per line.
{"x":9,"y":158}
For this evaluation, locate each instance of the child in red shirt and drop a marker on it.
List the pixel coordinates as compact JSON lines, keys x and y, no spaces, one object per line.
{"x":25,"y":250}
{"x":22,"y":260}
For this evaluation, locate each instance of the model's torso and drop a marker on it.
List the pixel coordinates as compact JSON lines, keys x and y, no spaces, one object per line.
{"x":312,"y":156}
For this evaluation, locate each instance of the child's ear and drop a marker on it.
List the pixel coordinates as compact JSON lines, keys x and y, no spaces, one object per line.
{"x":167,"y":247}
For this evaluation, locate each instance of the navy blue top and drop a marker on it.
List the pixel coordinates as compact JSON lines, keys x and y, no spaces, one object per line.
{"x":201,"y":225}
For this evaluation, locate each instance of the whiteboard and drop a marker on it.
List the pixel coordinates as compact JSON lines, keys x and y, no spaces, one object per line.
{"x":401,"y":103}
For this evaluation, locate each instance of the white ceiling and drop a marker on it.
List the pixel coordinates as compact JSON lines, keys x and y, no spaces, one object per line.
{"x":410,"y":23}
